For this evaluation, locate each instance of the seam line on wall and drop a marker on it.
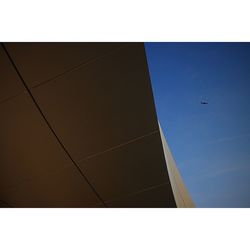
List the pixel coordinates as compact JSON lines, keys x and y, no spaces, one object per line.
{"x":78,"y":66}
{"x":117,"y":146}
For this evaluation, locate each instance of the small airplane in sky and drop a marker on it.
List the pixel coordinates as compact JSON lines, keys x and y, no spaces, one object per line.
{"x":202,"y":102}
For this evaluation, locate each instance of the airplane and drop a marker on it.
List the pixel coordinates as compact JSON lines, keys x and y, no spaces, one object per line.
{"x":204,"y":102}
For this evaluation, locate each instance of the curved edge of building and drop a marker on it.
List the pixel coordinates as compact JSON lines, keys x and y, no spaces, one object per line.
{"x":181,"y":195}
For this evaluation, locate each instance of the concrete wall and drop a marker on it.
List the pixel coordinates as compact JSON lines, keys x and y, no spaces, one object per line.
{"x":79,"y":128}
{"x":181,"y":195}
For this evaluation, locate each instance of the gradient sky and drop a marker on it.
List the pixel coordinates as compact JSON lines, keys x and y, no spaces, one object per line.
{"x":210,"y":143}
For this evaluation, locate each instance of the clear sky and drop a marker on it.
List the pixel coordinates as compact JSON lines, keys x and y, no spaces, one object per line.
{"x":210,"y":143}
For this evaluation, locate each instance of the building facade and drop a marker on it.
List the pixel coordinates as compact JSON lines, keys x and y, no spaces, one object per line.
{"x":79,"y":129}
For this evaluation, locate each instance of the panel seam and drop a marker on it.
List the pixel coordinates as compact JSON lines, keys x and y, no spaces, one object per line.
{"x":79,"y":66}
{"x":117,"y":146}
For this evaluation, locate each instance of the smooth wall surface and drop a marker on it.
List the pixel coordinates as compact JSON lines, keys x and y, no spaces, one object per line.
{"x":78,"y":127}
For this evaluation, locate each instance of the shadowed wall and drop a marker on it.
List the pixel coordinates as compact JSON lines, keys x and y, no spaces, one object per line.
{"x":79,"y":128}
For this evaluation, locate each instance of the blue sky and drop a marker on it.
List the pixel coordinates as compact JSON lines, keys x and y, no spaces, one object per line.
{"x":210,"y":143}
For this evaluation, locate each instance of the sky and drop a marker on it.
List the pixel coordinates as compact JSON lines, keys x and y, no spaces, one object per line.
{"x":210,"y":143}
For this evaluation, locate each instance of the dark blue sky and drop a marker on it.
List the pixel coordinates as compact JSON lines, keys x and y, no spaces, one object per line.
{"x":210,"y":143}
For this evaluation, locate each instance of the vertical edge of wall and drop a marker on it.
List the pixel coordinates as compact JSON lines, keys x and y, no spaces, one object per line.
{"x":181,"y":195}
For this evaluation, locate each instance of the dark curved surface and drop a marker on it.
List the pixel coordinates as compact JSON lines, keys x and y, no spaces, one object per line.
{"x":78,"y":127}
